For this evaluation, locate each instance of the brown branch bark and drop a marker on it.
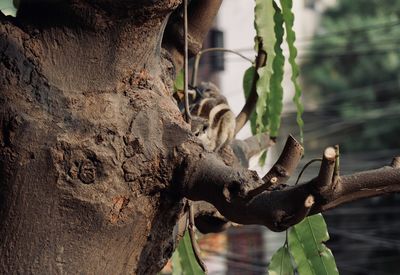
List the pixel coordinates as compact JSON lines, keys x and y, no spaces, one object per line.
{"x":201,"y":16}
{"x":284,"y":166}
{"x":357,"y":186}
{"x":231,"y":191}
{"x":251,"y":101}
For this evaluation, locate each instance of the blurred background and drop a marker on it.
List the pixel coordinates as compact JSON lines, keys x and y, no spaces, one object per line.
{"x":349,"y":56}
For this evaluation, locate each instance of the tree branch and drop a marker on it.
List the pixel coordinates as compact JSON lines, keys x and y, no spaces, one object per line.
{"x":284,"y":166}
{"x":241,"y":196}
{"x":358,"y":186}
{"x":201,"y":17}
{"x":251,"y":101}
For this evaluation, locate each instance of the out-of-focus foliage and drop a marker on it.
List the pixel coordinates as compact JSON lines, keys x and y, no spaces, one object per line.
{"x":354,"y":73}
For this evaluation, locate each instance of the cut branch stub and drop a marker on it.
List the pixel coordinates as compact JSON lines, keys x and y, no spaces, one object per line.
{"x":325,"y":176}
{"x":241,"y":197}
{"x":228,"y":190}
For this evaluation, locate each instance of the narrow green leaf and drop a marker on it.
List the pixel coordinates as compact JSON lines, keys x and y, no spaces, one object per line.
{"x":275,"y":104}
{"x":264,"y":25}
{"x":306,"y":244}
{"x":288,"y":18}
{"x":299,"y":256}
{"x":178,"y":84}
{"x":187,"y":261}
{"x":281,"y":263}
{"x":247,"y":83}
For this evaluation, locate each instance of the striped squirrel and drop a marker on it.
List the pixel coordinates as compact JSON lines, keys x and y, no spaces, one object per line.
{"x":213,"y":122}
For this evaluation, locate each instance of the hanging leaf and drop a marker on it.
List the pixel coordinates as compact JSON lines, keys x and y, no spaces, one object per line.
{"x":306,"y":245}
{"x":184,"y":259}
{"x":275,"y":104}
{"x":247,"y":84}
{"x":288,"y":18}
{"x":264,"y":25}
{"x":281,"y":263}
{"x":248,"y":81}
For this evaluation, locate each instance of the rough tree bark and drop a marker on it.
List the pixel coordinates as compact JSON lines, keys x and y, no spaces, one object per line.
{"x":96,"y":161}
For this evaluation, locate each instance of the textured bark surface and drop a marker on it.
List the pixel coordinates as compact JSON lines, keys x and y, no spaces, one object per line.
{"x":88,"y":140}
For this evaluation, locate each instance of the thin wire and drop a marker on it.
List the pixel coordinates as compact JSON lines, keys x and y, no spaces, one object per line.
{"x":208,"y":50}
{"x":366,"y":28}
{"x":352,"y":31}
{"x":305,"y":167}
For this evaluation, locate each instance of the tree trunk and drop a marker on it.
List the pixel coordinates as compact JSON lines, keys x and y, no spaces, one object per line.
{"x":88,"y":131}
{"x":96,"y":161}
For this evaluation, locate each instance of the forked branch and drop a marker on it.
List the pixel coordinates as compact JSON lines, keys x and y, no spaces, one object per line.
{"x":242,"y":197}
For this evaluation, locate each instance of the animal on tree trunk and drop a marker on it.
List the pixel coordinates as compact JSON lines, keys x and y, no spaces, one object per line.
{"x":97,"y":163}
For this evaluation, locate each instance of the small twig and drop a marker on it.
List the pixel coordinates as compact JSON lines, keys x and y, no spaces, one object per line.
{"x":188,"y":117}
{"x":325,"y":175}
{"x":336,"y":171}
{"x":195,"y":246}
{"x":305,"y":167}
{"x":200,"y":54}
{"x":251,"y":101}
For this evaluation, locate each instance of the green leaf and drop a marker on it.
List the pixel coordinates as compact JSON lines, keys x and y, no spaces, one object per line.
{"x":248,"y":80}
{"x":184,"y":260}
{"x":264,"y":25}
{"x":176,"y":263}
{"x":281,"y":263}
{"x":275,"y":104}
{"x":288,"y":18}
{"x":247,"y":83}
{"x":306,"y":245}
{"x":178,"y":84}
